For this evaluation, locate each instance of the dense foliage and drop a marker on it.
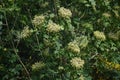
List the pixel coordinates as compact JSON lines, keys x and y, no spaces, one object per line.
{"x":59,"y":39}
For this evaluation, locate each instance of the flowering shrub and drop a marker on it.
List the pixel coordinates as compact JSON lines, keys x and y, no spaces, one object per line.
{"x":38,"y":20}
{"x":65,"y":13}
{"x":77,"y":62}
{"x":99,"y":35}
{"x":37,"y":66}
{"x":59,"y":40}
{"x":53,"y":27}
{"x":73,"y":46}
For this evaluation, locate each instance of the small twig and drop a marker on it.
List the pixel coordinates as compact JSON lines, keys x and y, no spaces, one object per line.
{"x":55,"y":9}
{"x":19,"y":59}
{"x":94,"y":8}
{"x":93,"y":56}
{"x":38,"y":43}
{"x":82,"y":15}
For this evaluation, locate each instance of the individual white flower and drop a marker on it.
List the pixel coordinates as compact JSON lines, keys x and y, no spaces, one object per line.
{"x":99,"y":35}
{"x":37,"y":66}
{"x":65,"y":13}
{"x":73,"y":46}
{"x":77,"y":62}
{"x":38,"y":20}
{"x":53,"y":27}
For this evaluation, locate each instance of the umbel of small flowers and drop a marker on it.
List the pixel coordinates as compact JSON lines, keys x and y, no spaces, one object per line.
{"x":77,"y":62}
{"x":38,"y":66}
{"x":26,"y":32}
{"x":99,"y":35}
{"x":53,"y":27}
{"x":73,"y":47}
{"x":38,"y":20}
{"x":64,"y":13}
{"x":107,"y":15}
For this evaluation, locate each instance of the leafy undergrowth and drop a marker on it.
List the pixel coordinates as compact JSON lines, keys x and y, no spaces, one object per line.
{"x":59,"y":39}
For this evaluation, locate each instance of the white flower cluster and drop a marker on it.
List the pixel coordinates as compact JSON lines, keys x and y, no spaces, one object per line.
{"x":53,"y":27}
{"x":38,"y":20}
{"x":26,"y":32}
{"x":37,"y":66}
{"x":99,"y":35}
{"x":73,"y":46}
{"x":65,"y":13}
{"x":107,"y":15}
{"x":77,"y":62}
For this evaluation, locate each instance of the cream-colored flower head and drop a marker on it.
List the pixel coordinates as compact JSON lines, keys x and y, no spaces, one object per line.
{"x":99,"y":35}
{"x":38,"y":20}
{"x":65,"y":13}
{"x":77,"y":62}
{"x":26,"y":32}
{"x":53,"y":27}
{"x":61,"y":68}
{"x":37,"y":66}
{"x":73,"y":46}
{"x":107,"y":15}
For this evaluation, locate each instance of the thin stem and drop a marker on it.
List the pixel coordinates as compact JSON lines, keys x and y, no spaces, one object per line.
{"x":55,"y":9}
{"x":38,"y":43}
{"x":28,"y":74}
{"x":19,"y":59}
{"x":82,"y":15}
